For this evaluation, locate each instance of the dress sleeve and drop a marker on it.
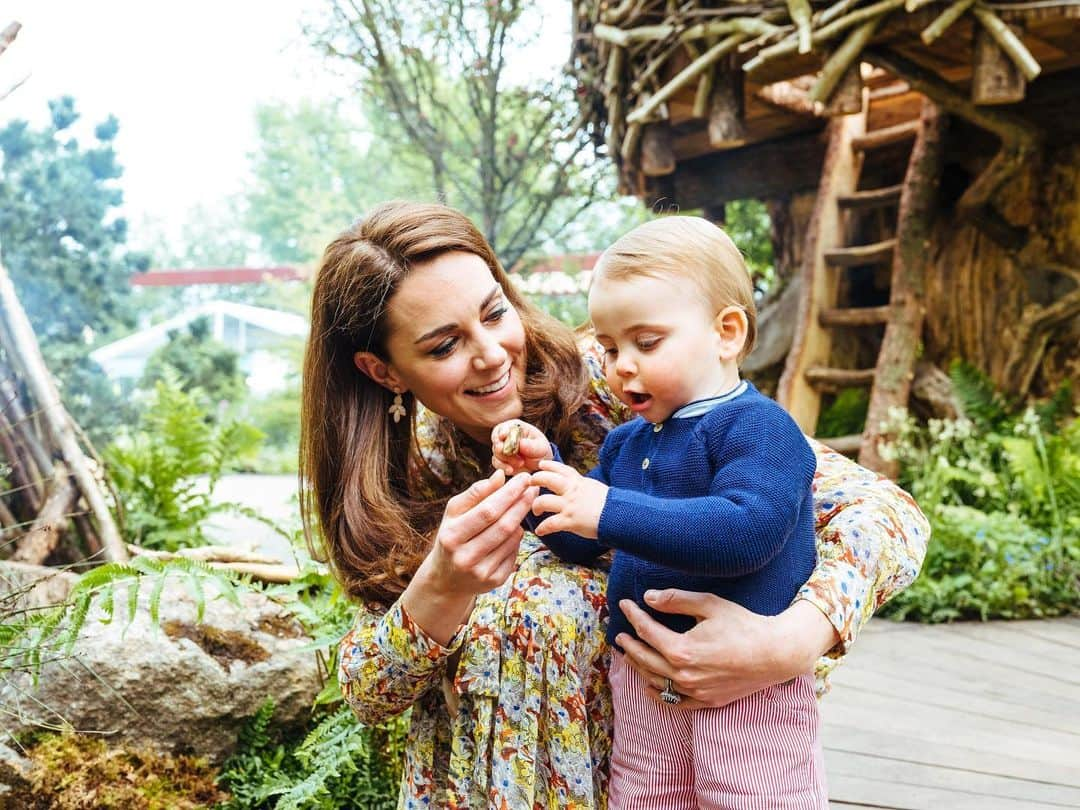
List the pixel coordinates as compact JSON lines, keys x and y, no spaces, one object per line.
{"x":871,"y":540}
{"x":387,"y":662}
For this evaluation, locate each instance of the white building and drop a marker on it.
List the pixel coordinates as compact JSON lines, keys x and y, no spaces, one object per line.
{"x":255,"y":333}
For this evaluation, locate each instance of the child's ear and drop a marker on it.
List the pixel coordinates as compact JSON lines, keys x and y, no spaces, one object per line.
{"x":379,"y":371}
{"x":731,"y":328}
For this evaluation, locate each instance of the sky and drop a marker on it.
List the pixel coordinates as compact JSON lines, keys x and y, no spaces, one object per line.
{"x":183,"y":78}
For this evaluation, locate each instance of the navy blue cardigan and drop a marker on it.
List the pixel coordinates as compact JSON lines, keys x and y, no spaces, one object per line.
{"x":715,"y":499}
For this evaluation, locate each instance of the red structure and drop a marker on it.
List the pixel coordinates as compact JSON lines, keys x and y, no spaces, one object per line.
{"x":217,"y":275}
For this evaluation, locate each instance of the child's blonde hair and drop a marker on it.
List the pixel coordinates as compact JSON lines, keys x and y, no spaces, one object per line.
{"x":691,"y":248}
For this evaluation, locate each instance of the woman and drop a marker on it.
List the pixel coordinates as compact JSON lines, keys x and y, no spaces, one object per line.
{"x":419,"y":346}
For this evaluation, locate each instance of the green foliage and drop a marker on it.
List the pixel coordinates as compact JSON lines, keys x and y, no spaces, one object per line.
{"x":34,"y":637}
{"x":845,"y":415}
{"x":197,"y":362}
{"x":277,"y":415}
{"x":986,"y":565}
{"x":166,"y":468}
{"x":338,"y":763}
{"x":1003,"y":497}
{"x":748,"y":224}
{"x":335,"y":762}
{"x":441,"y":99}
{"x":65,"y":249}
{"x":313,"y":172}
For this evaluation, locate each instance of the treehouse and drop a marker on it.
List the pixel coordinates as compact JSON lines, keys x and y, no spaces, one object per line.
{"x":920,"y":161}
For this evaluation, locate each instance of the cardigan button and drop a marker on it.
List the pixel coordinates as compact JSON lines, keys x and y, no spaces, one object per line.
{"x":645,"y":464}
{"x":657,"y":427}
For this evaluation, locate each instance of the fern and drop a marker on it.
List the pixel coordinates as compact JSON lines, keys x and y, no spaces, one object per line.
{"x":166,"y":469}
{"x":58,"y":628}
{"x":979,"y":400}
{"x":339,"y":763}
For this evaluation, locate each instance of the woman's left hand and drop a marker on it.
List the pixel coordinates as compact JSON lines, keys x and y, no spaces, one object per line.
{"x":730,"y":653}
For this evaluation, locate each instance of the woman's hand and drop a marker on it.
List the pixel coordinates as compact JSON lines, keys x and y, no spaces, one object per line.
{"x":575,"y":501}
{"x":517,"y":446}
{"x":475,"y":550}
{"x":729,"y":654}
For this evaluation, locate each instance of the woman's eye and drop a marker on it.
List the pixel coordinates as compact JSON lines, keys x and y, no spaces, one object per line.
{"x":646,"y":344}
{"x":496,"y":314}
{"x":444,"y":348}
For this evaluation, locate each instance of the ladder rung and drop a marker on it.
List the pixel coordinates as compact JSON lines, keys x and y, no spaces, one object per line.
{"x":875,"y":253}
{"x":848,"y":445}
{"x":884,"y":137}
{"x":871,"y":198}
{"x":834,"y":379}
{"x":854,"y":316}
{"x":889,"y":91}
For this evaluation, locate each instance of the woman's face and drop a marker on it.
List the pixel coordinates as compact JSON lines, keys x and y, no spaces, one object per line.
{"x":457,"y":343}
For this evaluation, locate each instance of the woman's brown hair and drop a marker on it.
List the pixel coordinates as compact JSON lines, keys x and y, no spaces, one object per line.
{"x":355,"y":461}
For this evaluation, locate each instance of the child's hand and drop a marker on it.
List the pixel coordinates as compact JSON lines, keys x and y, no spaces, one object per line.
{"x":518,"y":446}
{"x":575,"y":501}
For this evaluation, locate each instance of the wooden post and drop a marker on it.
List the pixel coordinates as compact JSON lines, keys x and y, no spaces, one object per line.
{"x":847,"y":96}
{"x":996,"y":78}
{"x":903,"y":335}
{"x":37,"y":544}
{"x":726,"y":104}
{"x":812,"y":344}
{"x":657,"y":149}
{"x":25,"y":348}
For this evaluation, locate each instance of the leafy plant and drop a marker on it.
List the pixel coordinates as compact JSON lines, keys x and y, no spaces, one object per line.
{"x":198,"y":363}
{"x":990,"y":565}
{"x":337,"y":762}
{"x":846,"y":414}
{"x":1001,"y":488}
{"x":166,"y":469}
{"x":50,"y":632}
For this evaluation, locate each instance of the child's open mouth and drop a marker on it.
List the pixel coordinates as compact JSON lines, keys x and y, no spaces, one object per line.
{"x":639,"y":401}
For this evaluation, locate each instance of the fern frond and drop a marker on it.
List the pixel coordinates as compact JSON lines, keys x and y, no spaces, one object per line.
{"x":979,"y":400}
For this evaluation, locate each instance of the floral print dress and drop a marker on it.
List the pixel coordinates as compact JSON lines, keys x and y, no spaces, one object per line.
{"x":525,"y":721}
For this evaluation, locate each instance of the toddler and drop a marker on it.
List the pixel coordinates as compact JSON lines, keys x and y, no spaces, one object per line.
{"x":710,"y":490}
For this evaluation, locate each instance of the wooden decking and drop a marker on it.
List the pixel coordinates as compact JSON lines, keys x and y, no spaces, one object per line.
{"x":951,"y":717}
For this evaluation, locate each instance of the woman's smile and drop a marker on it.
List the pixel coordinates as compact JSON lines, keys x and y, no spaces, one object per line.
{"x":493,"y":388}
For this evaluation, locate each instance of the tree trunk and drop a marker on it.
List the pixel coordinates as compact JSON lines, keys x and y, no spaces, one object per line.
{"x":993,"y":306}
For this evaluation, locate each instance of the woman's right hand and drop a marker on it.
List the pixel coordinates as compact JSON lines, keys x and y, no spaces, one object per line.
{"x":475,"y":550}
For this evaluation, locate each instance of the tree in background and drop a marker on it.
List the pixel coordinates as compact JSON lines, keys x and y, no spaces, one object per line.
{"x":197,"y":363}
{"x":313,"y":172}
{"x":512,"y":155}
{"x":65,"y":249}
{"x":62,"y":241}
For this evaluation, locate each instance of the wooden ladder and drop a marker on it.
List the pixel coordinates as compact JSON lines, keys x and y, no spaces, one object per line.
{"x":903,"y":210}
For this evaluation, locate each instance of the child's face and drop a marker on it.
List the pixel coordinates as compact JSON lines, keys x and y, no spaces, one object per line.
{"x":662,"y":345}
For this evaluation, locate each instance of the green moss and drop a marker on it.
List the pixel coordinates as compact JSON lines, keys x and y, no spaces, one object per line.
{"x":75,"y":772}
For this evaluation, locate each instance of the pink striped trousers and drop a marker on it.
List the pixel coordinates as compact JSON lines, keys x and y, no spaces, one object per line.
{"x":762,"y":752}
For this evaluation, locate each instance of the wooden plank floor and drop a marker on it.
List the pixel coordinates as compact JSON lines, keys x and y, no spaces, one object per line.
{"x":950,"y":717}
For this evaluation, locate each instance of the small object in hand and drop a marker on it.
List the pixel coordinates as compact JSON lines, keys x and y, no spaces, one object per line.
{"x":512,"y":440}
{"x":669,"y":695}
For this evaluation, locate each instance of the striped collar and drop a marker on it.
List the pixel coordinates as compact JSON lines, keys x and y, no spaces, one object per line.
{"x":703,"y":406}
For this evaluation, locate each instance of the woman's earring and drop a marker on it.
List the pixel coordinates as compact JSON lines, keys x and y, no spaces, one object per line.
{"x":397,"y":407}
